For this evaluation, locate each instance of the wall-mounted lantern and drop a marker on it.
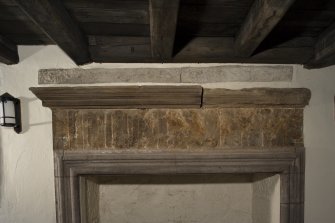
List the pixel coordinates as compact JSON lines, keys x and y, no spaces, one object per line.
{"x":10,"y":112}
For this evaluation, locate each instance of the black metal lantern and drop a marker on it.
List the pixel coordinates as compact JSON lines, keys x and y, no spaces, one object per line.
{"x":10,"y":112}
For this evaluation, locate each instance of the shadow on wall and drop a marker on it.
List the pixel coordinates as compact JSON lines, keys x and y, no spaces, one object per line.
{"x":25,"y":114}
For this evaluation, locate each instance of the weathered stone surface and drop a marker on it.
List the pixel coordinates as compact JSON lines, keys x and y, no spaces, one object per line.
{"x":116,"y":75}
{"x":60,"y":126}
{"x":75,"y":126}
{"x":227,"y":73}
{"x":178,"y":129}
{"x":235,"y":73}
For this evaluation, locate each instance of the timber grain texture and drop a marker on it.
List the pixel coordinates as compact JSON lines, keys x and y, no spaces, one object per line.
{"x":120,"y":96}
{"x":263,"y":16}
{"x":168,"y":96}
{"x":293,"y":97}
{"x":163,"y":23}
{"x":54,"y":20}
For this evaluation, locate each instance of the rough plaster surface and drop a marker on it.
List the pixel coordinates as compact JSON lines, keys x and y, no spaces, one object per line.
{"x":211,"y":74}
{"x":149,"y":201}
{"x":185,"y":198}
{"x":26,"y":162}
{"x":266,"y":199}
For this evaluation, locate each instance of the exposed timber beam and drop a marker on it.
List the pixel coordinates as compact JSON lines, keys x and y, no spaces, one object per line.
{"x":125,"y":49}
{"x":52,"y":17}
{"x":163,"y":23}
{"x":263,"y":16}
{"x":324,"y":54}
{"x":8,"y":51}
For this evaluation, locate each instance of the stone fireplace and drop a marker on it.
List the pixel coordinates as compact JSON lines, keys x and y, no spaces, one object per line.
{"x":177,"y":153}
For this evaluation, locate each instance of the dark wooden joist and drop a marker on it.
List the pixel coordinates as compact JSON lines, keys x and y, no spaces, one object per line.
{"x":121,"y":49}
{"x":324,"y":54}
{"x":52,"y":17}
{"x":163,"y":23}
{"x":8,"y":51}
{"x":221,"y":50}
{"x":263,"y":16}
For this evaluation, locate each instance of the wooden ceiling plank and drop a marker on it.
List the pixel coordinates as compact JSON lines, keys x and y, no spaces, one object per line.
{"x":52,"y":17}
{"x":263,"y":16}
{"x":324,"y":54}
{"x":163,"y":23}
{"x":8,"y":51}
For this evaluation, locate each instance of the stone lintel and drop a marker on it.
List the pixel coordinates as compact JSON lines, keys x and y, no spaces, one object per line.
{"x":211,"y":74}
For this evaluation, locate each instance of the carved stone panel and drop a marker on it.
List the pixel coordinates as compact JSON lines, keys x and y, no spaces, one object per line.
{"x":177,"y":129}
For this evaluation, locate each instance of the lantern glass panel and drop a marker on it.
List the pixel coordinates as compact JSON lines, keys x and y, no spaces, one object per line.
{"x":7,"y":114}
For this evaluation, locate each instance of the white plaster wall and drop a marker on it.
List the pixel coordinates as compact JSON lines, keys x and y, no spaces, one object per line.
{"x":266,"y":198}
{"x":229,"y":199}
{"x":26,"y":164}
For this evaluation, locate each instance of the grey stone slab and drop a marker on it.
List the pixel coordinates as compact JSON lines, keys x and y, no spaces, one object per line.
{"x":227,"y":73}
{"x":117,"y":75}
{"x":235,"y":73}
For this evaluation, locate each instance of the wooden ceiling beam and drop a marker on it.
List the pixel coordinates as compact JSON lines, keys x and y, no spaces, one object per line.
{"x":125,"y":49}
{"x":52,"y":17}
{"x":263,"y":16}
{"x":324,"y":50}
{"x":8,"y":51}
{"x":163,"y":23}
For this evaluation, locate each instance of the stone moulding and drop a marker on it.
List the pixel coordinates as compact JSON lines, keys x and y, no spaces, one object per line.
{"x":72,"y":169}
{"x":183,"y":96}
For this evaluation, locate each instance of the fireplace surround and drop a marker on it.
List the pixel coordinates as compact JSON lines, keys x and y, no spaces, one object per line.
{"x":111,"y":131}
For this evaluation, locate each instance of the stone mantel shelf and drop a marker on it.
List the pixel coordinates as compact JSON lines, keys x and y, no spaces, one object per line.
{"x":168,"y":96}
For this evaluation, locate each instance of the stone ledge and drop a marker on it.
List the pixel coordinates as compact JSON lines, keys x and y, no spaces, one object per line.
{"x":120,"y":96}
{"x":248,"y":97}
{"x":168,"y":96}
